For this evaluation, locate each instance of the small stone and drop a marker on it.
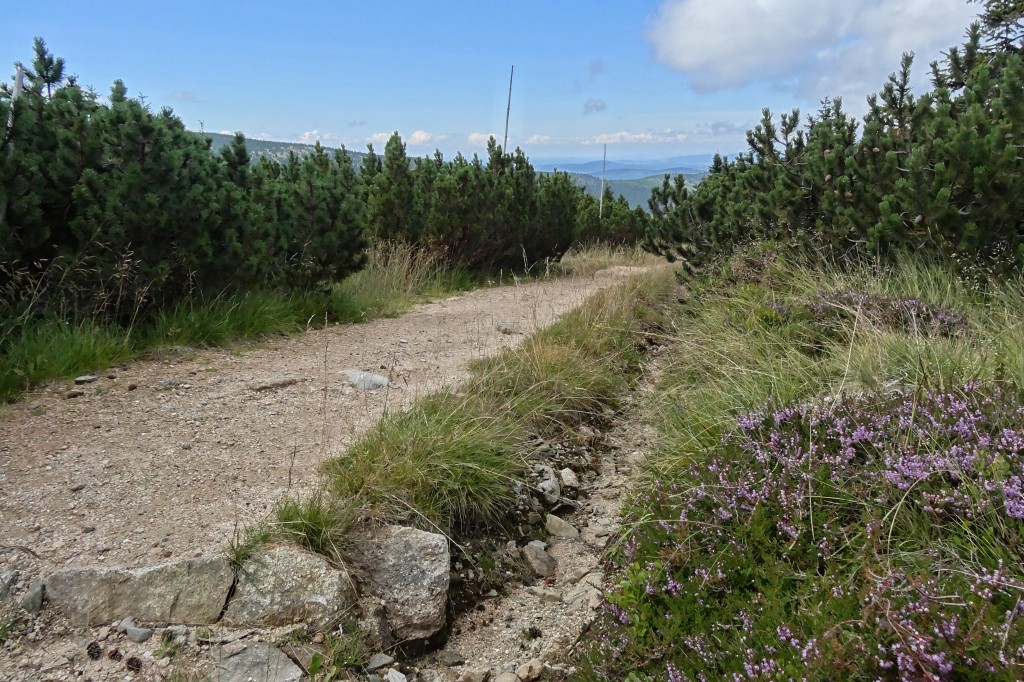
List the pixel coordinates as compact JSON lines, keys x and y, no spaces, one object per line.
{"x":506,"y":328}
{"x":78,"y":487}
{"x":74,"y":393}
{"x":33,"y":599}
{"x":507,"y":677}
{"x":545,"y":594}
{"x":125,"y":623}
{"x":560,"y":528}
{"x":365,"y":380}
{"x":531,"y":670}
{"x":475,"y":675}
{"x":451,"y":658}
{"x":85,"y":379}
{"x":138,"y":635}
{"x":132,"y":387}
{"x":534,"y":519}
{"x":378,"y":661}
{"x":538,"y":561}
{"x":89,"y":529}
{"x":569,"y":478}
{"x":395,"y":676}
{"x":318,"y":638}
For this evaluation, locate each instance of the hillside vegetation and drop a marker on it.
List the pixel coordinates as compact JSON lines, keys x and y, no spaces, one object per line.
{"x":835,"y":487}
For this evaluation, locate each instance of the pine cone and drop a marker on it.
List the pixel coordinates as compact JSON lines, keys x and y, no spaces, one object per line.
{"x":94,"y":650}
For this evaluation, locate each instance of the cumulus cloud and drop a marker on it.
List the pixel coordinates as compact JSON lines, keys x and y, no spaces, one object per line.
{"x":379,"y":138}
{"x":596,"y":68}
{"x":809,"y":47}
{"x":480,"y":138}
{"x":421,"y":137}
{"x":539,"y":139}
{"x":592,"y":106}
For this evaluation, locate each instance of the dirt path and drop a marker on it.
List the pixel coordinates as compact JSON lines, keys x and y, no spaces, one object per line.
{"x":208,"y":441}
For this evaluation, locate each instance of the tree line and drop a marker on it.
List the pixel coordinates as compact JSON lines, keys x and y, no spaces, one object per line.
{"x":940,"y":173}
{"x":107,"y":208}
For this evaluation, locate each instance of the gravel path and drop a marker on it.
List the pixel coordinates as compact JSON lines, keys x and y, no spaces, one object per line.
{"x":165,"y":459}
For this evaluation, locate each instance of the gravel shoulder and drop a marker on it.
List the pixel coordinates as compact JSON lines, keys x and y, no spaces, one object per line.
{"x":169,"y":458}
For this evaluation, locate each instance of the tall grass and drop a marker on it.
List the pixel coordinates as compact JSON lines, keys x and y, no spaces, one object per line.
{"x":835,"y":492}
{"x":452,"y":462}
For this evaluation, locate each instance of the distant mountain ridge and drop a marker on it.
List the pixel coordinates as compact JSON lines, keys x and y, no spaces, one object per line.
{"x":277,"y":151}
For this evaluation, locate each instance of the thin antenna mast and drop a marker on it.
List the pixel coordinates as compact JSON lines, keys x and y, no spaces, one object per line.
{"x":600,"y":201}
{"x":508,"y":109}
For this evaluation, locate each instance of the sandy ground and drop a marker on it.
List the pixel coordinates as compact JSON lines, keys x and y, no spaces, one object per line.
{"x":168,"y":458}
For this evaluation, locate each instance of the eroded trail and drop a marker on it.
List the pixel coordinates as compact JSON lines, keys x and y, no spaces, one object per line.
{"x":167,"y":458}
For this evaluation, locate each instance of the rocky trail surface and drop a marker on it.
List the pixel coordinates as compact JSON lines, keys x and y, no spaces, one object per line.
{"x":168,"y":459}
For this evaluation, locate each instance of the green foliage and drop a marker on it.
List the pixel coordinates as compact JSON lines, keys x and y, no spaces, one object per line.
{"x":109,"y":210}
{"x":939,"y":174}
{"x":837,"y":470}
{"x":498,"y":215}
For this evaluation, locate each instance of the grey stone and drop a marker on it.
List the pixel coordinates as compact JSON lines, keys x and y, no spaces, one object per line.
{"x":475,"y":675}
{"x":549,"y":489}
{"x":569,"y":478}
{"x":545,"y":594}
{"x":559,"y":528}
{"x":125,"y":623}
{"x":451,"y":658}
{"x":431,"y":676}
{"x":286,"y":585}
{"x":32,"y":601}
{"x":138,"y":635}
{"x":86,"y":379}
{"x":255,"y":662}
{"x":180,"y":633}
{"x":74,"y":393}
{"x":395,"y":676}
{"x":378,"y":661}
{"x":8,"y":579}
{"x":534,"y":519}
{"x":537,"y":560}
{"x":507,"y":677}
{"x":506,"y":328}
{"x":192,"y":591}
{"x":408,"y":569}
{"x":365,"y":380}
{"x":531,"y":670}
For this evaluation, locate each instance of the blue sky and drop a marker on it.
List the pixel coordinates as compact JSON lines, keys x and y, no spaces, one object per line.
{"x":651,"y":78}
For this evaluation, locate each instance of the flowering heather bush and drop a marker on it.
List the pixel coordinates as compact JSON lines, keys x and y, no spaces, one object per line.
{"x":867,"y":538}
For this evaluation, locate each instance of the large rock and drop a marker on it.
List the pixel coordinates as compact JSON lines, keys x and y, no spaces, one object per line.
{"x":286,"y":585}
{"x":408,"y":569}
{"x":254,"y":662}
{"x":192,"y":591}
{"x":366,"y":381}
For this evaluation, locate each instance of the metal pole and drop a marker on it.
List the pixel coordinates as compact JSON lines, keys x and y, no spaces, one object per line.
{"x":508,"y":110}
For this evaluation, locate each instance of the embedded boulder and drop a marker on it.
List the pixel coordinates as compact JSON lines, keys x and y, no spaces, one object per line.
{"x":286,"y":585}
{"x":192,"y":592}
{"x":252,"y":661}
{"x":408,"y":569}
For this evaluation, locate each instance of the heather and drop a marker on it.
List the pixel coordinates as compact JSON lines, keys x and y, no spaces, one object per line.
{"x":835,"y":490}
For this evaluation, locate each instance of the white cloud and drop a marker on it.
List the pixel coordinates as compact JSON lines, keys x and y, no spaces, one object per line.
{"x":810,"y":47}
{"x":480,"y":138}
{"x":539,"y":139}
{"x":313,"y":136}
{"x":421,"y":137}
{"x":379,"y":138}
